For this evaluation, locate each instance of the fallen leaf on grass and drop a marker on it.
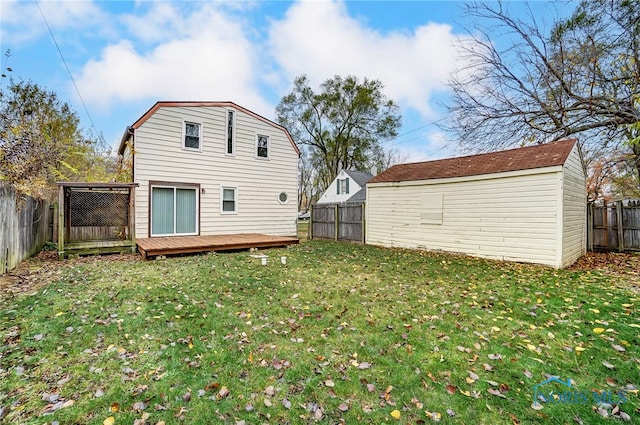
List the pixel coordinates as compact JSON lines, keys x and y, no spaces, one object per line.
{"x":109,"y":421}
{"x":224,"y":392}
{"x":139,"y":406}
{"x":270,"y":391}
{"x":495,"y":392}
{"x":396,"y":414}
{"x":451,"y":389}
{"x":618,"y":348}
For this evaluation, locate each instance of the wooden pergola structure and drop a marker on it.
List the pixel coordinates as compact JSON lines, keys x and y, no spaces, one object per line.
{"x":95,"y":218}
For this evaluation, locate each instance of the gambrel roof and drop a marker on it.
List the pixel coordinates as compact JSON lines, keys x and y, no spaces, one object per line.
{"x":227,"y":104}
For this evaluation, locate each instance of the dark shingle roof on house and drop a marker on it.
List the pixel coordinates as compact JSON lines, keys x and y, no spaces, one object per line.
{"x":360,"y":177}
{"x":527,"y":158}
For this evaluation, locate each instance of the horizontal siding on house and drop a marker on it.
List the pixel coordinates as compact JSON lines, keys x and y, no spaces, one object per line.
{"x":160,"y":157}
{"x":574,"y":214}
{"x":512,"y":218}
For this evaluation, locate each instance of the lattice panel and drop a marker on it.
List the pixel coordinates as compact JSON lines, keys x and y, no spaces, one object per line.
{"x":95,"y":208}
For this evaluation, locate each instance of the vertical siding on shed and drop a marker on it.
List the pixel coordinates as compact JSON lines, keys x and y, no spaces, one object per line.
{"x":508,"y":216}
{"x":574,"y":209}
{"x":160,"y":157}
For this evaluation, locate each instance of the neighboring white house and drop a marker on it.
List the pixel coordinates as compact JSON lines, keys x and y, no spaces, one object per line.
{"x":526,"y":204}
{"x":211,"y":168}
{"x":348,"y":186}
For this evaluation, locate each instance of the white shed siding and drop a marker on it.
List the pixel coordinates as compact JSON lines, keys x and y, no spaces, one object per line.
{"x":160,"y":157}
{"x":509,"y":216}
{"x":574,"y":210}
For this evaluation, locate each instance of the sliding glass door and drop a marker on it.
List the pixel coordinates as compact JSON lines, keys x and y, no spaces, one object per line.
{"x":174,"y":211}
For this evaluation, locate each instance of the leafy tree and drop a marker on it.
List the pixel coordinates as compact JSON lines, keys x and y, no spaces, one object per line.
{"x":581,"y":78}
{"x":342,"y":126}
{"x":41,"y":143}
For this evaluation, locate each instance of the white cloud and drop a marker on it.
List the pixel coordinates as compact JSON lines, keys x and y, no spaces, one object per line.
{"x":21,"y":21}
{"x":206,"y":56}
{"x":321,"y":40}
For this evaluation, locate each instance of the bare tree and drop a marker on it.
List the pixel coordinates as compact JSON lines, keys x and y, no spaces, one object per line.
{"x":525,"y":85}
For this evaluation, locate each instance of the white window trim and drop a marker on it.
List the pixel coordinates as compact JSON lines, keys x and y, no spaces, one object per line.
{"x":184,"y":134}
{"x":288,"y":197}
{"x":226,"y":131}
{"x":235,"y":200}
{"x":174,"y":187}
{"x":264,"y":158}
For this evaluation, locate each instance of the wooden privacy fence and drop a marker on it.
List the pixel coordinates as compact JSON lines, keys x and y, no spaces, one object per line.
{"x":24,"y":227}
{"x":338,"y":222}
{"x":614,"y":226}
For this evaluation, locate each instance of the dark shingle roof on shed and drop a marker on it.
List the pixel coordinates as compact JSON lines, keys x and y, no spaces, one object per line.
{"x":527,"y":158}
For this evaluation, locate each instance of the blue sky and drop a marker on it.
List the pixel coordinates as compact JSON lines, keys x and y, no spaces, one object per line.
{"x":126,"y":55}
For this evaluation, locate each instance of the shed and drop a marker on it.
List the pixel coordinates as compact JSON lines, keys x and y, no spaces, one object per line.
{"x":526,"y":205}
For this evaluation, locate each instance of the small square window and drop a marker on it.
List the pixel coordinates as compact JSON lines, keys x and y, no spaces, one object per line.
{"x":229,"y":200}
{"x":262,"y":146}
{"x":191,"y":135}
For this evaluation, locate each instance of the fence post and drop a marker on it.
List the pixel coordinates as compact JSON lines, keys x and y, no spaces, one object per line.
{"x":61,"y":225}
{"x":363,"y":221}
{"x":336,"y":221}
{"x":310,"y":229}
{"x":590,"y":229}
{"x":620,"y":226}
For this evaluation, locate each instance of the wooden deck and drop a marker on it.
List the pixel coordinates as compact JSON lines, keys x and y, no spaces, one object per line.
{"x":151,"y":247}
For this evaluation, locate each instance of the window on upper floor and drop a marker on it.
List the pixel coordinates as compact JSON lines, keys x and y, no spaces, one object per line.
{"x":231,"y":121}
{"x":343,"y":186}
{"x":192,"y":135}
{"x":262,"y":146}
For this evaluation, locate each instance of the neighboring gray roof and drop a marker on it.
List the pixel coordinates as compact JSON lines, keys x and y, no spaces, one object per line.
{"x":360,"y":177}
{"x":360,"y":195}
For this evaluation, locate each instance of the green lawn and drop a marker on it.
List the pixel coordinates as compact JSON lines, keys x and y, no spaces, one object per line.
{"x":340,"y":333}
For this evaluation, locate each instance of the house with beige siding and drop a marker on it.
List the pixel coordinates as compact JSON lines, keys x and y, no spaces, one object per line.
{"x":210,"y":168}
{"x":525,"y":205}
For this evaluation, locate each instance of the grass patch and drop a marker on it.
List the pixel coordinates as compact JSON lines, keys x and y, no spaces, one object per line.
{"x":341,"y":333}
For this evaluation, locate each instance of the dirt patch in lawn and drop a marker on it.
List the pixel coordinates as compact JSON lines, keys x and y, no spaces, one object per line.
{"x":41,"y":269}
